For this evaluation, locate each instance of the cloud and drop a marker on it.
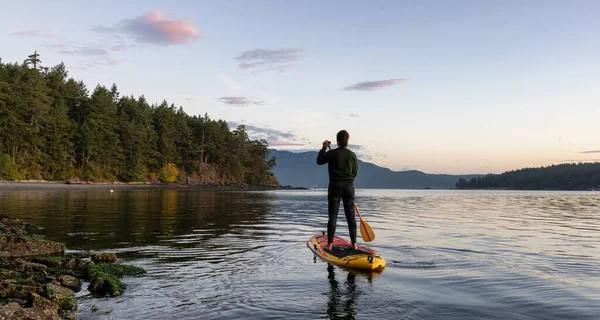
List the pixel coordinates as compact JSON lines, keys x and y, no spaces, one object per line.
{"x":37,"y":33}
{"x":85,"y":51}
{"x":374,"y":85}
{"x":56,"y":46}
{"x":591,"y":151}
{"x":301,"y":150}
{"x":582,"y":160}
{"x":279,"y":143}
{"x":266,"y":131}
{"x":156,"y":29}
{"x":278,"y":60}
{"x":273,"y":136}
{"x":240,"y":101}
{"x":89,"y":56}
{"x":92,"y":64}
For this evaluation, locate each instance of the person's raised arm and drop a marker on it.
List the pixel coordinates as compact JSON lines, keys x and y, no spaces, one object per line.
{"x":322,"y":157}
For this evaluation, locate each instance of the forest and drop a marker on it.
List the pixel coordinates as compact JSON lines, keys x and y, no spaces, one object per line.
{"x":53,"y":128}
{"x":569,"y":176}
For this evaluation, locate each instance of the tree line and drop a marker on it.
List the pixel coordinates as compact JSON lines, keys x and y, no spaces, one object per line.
{"x":571,"y":176}
{"x":53,"y":128}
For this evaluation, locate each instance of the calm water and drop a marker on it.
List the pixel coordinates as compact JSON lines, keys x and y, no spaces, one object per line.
{"x":240,"y":255}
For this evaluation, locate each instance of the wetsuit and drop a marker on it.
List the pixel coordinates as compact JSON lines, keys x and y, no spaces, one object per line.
{"x":343,"y":167}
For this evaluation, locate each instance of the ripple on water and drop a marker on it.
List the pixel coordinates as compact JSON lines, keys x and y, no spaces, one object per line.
{"x":451,"y":254}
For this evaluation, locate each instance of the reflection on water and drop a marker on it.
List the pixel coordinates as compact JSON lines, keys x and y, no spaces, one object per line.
{"x":97,"y":219}
{"x":341,"y":300}
{"x":243,"y":255}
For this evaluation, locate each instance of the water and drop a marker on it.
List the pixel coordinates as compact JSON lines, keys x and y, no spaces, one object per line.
{"x":243,"y":255}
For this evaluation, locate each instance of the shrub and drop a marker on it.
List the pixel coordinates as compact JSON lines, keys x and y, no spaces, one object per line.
{"x":8,"y":169}
{"x":168,"y":173}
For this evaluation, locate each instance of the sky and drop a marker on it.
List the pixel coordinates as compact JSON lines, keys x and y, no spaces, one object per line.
{"x":437,"y":86}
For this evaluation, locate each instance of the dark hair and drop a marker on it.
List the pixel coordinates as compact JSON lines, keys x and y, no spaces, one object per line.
{"x":342,"y":138}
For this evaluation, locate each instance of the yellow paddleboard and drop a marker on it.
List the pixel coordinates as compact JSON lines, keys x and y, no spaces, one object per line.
{"x":344,"y":255}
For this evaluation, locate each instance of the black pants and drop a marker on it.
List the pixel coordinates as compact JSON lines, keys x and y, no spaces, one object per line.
{"x":341,"y":190}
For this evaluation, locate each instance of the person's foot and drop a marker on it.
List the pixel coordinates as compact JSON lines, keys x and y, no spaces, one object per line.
{"x":355,"y":246}
{"x":330,"y":246}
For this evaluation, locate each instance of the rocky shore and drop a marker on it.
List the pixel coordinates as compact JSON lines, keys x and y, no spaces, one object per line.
{"x":32,"y":185}
{"x":38,"y":281}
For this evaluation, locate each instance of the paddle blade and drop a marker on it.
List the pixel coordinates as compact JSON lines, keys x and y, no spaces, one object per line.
{"x":365,"y":229}
{"x":366,"y":232}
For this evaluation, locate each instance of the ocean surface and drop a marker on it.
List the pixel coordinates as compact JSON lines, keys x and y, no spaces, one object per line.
{"x":243,"y":255}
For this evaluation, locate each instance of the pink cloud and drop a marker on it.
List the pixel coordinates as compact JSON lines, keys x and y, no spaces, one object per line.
{"x":155,"y":28}
{"x":67,"y":52}
{"x":34,"y":33}
{"x":374,"y":85}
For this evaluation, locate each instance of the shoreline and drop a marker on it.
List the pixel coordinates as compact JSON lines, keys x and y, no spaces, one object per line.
{"x":67,"y":185}
{"x":39,"y":281}
{"x":53,"y":185}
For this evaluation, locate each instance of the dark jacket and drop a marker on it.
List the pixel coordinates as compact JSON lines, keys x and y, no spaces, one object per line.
{"x":343,"y":164}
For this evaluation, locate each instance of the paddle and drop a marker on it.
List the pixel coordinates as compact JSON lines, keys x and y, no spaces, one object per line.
{"x":365,"y":229}
{"x":366,"y":232}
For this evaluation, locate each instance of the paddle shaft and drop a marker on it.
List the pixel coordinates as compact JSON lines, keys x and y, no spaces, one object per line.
{"x":358,"y":211}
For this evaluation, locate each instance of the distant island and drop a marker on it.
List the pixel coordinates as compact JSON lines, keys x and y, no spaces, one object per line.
{"x":580,"y":176}
{"x":53,"y":129}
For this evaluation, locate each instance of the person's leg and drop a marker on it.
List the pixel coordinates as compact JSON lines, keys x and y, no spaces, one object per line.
{"x":348,"y":199}
{"x":333,"y":199}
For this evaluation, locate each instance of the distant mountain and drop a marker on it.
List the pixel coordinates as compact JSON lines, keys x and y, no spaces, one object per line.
{"x":301,"y":169}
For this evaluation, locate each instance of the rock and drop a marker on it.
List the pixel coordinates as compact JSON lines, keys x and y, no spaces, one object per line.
{"x":69,"y":282}
{"x":29,"y":267}
{"x":9,"y":289}
{"x":6,"y":274}
{"x":16,"y":311}
{"x":35,"y":300}
{"x":61,"y":297}
{"x":105,"y":278}
{"x":64,"y":264}
{"x":11,"y":246}
{"x":99,"y":287}
{"x":106,"y":257}
{"x":15,"y":242}
{"x":10,"y":310}
{"x":94,"y":308}
{"x":44,"y":288}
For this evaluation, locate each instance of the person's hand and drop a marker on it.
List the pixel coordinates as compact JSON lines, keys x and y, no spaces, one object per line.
{"x":326,"y":144}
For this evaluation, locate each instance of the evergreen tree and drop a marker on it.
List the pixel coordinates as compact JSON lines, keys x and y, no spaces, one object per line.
{"x":59,"y":129}
{"x":52,"y":128}
{"x":33,"y":60}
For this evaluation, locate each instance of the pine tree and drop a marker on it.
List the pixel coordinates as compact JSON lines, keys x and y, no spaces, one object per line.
{"x":33,"y":59}
{"x":51,"y":127}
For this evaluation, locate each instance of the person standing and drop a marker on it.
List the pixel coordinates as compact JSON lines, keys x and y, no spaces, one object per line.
{"x":342,"y":168}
